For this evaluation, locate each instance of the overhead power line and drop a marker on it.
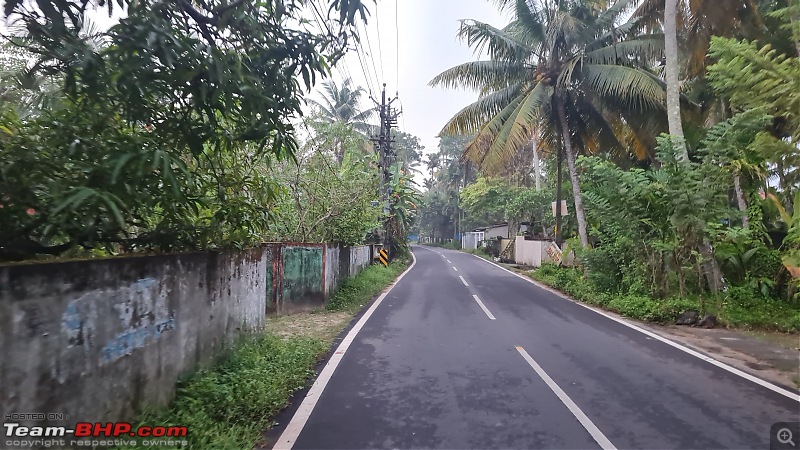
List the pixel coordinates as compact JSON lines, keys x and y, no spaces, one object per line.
{"x":380,"y":50}
{"x":397,"y":48}
{"x":364,"y":70}
{"x":371,"y":54}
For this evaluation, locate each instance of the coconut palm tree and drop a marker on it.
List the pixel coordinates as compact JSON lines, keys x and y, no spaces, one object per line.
{"x":573,"y":70}
{"x":342,"y":103}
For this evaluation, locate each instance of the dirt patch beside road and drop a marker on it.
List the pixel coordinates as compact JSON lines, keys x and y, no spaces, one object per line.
{"x":769,"y":355}
{"x":319,"y":325}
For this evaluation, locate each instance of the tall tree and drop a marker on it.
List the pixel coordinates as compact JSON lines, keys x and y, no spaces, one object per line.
{"x":161,"y":134}
{"x":673,"y":76}
{"x":342,"y":103}
{"x":570,"y":69}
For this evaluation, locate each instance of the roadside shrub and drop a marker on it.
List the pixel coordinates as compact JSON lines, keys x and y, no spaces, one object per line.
{"x":604,"y":268}
{"x":227,"y":406}
{"x":743,"y":307}
{"x":765,"y":263}
{"x":636,"y":306}
{"x":547,"y":270}
{"x":668,"y":310}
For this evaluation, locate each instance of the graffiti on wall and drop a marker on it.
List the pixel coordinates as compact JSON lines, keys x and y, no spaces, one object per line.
{"x":140,"y":317}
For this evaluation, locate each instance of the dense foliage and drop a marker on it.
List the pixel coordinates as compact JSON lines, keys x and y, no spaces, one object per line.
{"x":164,"y":123}
{"x":708,"y":218}
{"x":324,"y":200}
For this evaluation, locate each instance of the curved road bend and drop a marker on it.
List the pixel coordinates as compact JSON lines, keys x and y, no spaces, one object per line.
{"x":463,"y":354}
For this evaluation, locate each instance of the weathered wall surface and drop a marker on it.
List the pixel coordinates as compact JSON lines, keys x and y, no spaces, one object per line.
{"x":302,"y":278}
{"x":360,"y":258}
{"x":335,"y":271}
{"x":531,"y":253}
{"x":98,"y":340}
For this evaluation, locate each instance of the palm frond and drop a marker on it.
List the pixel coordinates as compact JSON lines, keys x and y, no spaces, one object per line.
{"x":470,"y":119}
{"x":499,"y":44}
{"x":476,"y":150}
{"x":365,"y":115}
{"x":518,"y":131}
{"x":530,"y":23}
{"x":477,"y":74}
{"x":608,"y":17}
{"x":326,"y":110}
{"x":648,"y":49}
{"x":628,"y":86}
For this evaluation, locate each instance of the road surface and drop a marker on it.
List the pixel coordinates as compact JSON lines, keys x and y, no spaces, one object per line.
{"x":463,"y":354}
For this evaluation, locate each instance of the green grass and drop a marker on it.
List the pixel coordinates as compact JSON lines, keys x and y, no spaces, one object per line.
{"x":229,"y":405}
{"x":356,"y":292}
{"x":739,"y":308}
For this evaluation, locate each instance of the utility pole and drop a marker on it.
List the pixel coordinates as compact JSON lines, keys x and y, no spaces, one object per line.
{"x":383,"y":145}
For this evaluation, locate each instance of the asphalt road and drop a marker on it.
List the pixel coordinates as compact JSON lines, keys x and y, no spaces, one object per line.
{"x":462,"y":354}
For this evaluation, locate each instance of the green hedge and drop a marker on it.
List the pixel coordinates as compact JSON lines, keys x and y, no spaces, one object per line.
{"x":740,"y":307}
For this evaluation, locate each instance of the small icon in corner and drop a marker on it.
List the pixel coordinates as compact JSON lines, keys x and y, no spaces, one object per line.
{"x":784,"y":435}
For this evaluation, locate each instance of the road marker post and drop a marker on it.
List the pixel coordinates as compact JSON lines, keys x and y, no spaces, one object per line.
{"x":383,"y":256}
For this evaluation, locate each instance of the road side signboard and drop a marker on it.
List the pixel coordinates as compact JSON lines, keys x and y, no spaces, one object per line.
{"x":555,"y":252}
{"x":564,"y":211}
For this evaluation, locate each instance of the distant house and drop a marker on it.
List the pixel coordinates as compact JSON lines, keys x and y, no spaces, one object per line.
{"x":499,"y":230}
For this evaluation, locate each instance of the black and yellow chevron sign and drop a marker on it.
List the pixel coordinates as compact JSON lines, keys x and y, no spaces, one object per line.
{"x":384,"y":257}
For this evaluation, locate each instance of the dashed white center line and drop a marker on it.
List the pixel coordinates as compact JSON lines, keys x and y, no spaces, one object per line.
{"x":483,"y":307}
{"x":598,"y":435}
{"x":463,"y":281}
{"x":448,"y":261}
{"x":454,"y":268}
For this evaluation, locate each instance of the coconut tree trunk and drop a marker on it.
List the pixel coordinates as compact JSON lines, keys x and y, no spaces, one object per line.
{"x":573,"y":173}
{"x":673,"y":76}
{"x":737,"y":186}
{"x":537,"y":175}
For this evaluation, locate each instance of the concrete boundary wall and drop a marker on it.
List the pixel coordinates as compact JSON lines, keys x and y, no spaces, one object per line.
{"x":98,"y":340}
{"x":531,"y":253}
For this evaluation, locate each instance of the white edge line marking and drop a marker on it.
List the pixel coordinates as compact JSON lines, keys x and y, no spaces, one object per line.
{"x":598,"y":435}
{"x":483,"y":307}
{"x":463,"y":281}
{"x":658,"y":337}
{"x":292,"y":431}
